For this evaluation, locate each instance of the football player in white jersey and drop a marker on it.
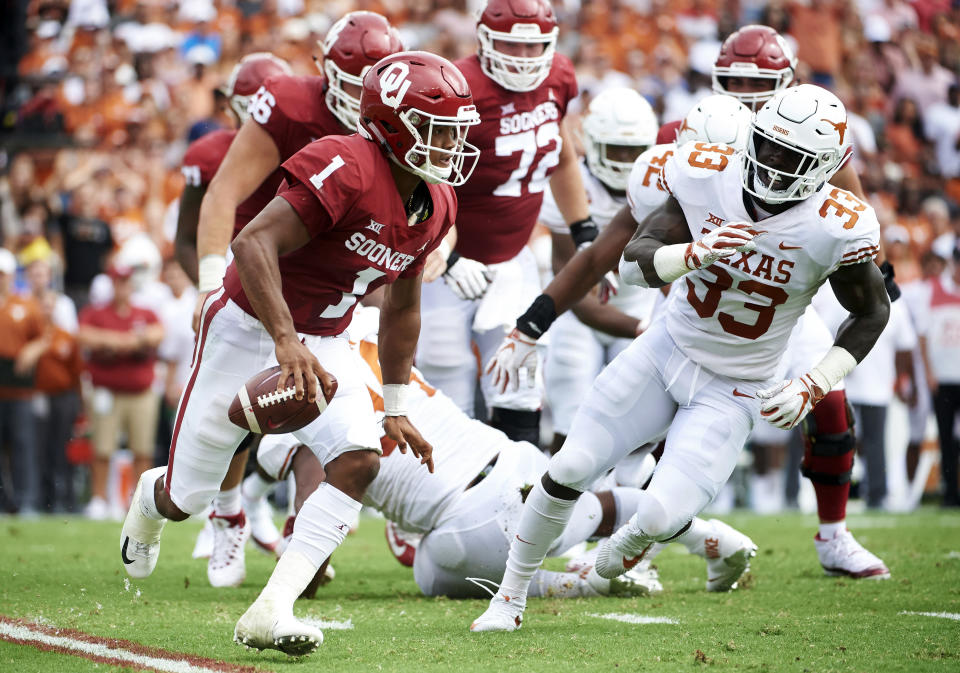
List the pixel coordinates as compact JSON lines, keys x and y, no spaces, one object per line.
{"x":754,"y":63}
{"x":750,"y":236}
{"x":467,"y":510}
{"x":619,"y":126}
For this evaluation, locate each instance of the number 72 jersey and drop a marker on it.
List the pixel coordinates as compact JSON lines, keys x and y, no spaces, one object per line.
{"x":735,"y":316}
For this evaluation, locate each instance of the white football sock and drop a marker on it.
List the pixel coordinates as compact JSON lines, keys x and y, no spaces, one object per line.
{"x":290,"y":577}
{"x":148,"y":503}
{"x":829,"y":530}
{"x":541,"y":522}
{"x":322,"y":523}
{"x":255,"y":487}
{"x":227,"y":503}
{"x":693,"y":538}
{"x":559,"y":585}
{"x":587,"y":514}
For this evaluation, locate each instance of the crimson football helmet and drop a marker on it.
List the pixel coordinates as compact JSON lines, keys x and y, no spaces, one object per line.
{"x":351,"y":46}
{"x":754,"y":52}
{"x":414,"y":104}
{"x":248,"y":75}
{"x":523,"y":22}
{"x":802,"y":132}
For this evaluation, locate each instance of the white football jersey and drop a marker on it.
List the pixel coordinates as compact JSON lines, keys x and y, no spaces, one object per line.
{"x":644,"y":193}
{"x":735,"y":316}
{"x":632,"y":300}
{"x":404,"y":490}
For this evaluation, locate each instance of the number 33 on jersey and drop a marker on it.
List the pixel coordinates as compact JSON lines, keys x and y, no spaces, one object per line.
{"x":342,"y":189}
{"x":736,"y":315}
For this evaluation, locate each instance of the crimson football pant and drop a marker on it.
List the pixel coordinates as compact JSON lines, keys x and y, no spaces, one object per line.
{"x":828,"y":455}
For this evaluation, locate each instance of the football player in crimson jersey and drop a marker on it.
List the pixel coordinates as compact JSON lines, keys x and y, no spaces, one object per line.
{"x":522,"y":88}
{"x":751,"y":237}
{"x":228,"y":522}
{"x":285,"y":113}
{"x":353,"y":214}
{"x":755,"y":62}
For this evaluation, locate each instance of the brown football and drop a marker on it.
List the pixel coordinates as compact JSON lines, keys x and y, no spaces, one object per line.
{"x":259,"y":407}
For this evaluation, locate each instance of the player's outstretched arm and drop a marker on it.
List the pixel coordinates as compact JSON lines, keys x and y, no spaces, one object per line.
{"x":399,"y":331}
{"x":276,"y":231}
{"x":860,"y":290}
{"x":185,"y":242}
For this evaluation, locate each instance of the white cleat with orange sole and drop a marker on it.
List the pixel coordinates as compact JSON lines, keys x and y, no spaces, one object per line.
{"x":728,"y":553}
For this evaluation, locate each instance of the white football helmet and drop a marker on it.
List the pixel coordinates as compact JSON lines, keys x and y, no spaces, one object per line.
{"x":717,"y":119}
{"x":517,"y":21}
{"x":140,"y":254}
{"x":808,"y":125}
{"x":618,"y":117}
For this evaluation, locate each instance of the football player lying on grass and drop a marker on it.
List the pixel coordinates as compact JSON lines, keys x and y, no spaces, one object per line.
{"x":467,"y":511}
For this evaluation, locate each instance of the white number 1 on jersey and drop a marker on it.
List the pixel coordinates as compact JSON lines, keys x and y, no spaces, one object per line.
{"x":317,"y":178}
{"x":360,"y":283}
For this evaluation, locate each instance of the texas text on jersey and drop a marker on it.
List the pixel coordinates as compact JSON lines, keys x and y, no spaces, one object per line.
{"x":361,"y":238}
{"x":291,"y":109}
{"x":519,"y":138}
{"x":735,"y":316}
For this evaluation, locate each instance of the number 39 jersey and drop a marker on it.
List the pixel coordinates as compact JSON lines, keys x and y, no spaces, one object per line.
{"x":343,"y":190}
{"x":519,"y":141}
{"x":734,"y":317}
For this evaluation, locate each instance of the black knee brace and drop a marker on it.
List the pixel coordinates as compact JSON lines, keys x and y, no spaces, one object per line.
{"x":520,"y":426}
{"x":828,"y":458}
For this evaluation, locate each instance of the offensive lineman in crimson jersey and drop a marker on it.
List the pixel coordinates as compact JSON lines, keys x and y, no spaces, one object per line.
{"x":751,"y":237}
{"x":354,"y":213}
{"x":754,"y":63}
{"x":521,"y":89}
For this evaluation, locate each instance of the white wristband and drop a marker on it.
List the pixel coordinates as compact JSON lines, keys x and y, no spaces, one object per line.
{"x":834,"y":366}
{"x":395,"y":399}
{"x":670,"y":262}
{"x":210,"y":272}
{"x":444,"y":249}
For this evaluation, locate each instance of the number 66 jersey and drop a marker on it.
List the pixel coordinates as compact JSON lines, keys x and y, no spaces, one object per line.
{"x":735,"y":316}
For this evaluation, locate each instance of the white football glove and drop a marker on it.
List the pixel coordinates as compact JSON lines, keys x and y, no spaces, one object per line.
{"x":787,"y":403}
{"x":468,"y":278}
{"x":722,"y":242}
{"x":517,"y":351}
{"x":609,"y":286}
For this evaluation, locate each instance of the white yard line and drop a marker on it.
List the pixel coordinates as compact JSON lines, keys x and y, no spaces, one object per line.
{"x":628,"y":618}
{"x":955,"y":616}
{"x":30,"y":634}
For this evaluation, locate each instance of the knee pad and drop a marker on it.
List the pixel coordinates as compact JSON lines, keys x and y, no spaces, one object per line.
{"x":652,"y":517}
{"x":518,"y":425}
{"x":829,"y":441}
{"x":574,"y":467}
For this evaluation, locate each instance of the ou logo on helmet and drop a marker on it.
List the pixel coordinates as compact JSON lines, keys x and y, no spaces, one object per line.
{"x":394,"y":84}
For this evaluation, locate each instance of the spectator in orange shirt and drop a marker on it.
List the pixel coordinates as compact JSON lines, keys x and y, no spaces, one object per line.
{"x":121,"y":342}
{"x":22,"y":327}
{"x":57,"y":380}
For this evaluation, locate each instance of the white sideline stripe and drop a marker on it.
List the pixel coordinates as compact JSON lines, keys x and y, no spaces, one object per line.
{"x":248,"y":410}
{"x":331,"y":624}
{"x":157,"y":663}
{"x":943,"y":615}
{"x":628,"y":618}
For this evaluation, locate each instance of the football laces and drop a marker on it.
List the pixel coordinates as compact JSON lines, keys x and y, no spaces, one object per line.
{"x":276,"y":397}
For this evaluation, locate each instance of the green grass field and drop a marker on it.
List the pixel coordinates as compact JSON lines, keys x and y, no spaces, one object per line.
{"x":787,"y":616}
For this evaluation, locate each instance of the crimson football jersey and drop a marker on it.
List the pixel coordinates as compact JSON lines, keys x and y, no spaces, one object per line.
{"x":519,"y":141}
{"x":203,"y":157}
{"x":342,"y":188}
{"x":292,"y":110}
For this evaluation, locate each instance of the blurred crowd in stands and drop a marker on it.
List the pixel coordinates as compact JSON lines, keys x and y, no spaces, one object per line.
{"x":100,"y":98}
